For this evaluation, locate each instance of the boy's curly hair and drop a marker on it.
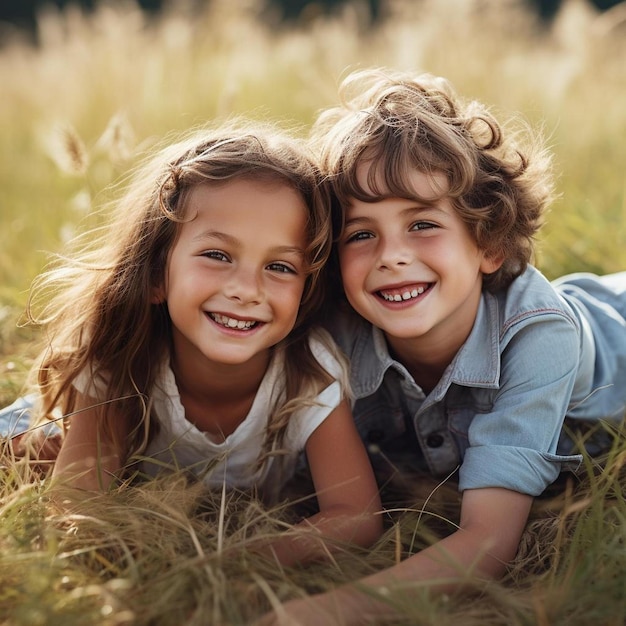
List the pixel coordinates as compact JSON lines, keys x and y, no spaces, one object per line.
{"x":397,"y":122}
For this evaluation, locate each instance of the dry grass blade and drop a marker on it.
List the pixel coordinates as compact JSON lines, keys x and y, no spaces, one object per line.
{"x":67,"y":150}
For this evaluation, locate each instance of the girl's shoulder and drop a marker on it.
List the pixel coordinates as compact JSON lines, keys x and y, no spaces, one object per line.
{"x":350,"y":331}
{"x":328,"y":354}
{"x":326,"y":351}
{"x":322,"y":343}
{"x":92,"y":381}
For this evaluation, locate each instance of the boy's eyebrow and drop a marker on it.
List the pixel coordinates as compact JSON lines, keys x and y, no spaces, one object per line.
{"x":417,"y":208}
{"x":233,"y":241}
{"x":359,"y":219}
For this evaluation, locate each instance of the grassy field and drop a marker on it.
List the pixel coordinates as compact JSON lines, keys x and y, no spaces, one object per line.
{"x":78,"y":109}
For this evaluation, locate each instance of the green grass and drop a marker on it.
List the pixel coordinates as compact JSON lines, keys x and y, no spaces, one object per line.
{"x":76,"y":112}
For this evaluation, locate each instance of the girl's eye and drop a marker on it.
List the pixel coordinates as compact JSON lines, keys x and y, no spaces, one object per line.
{"x":422,"y":226}
{"x":282,"y":268}
{"x":218,"y":255}
{"x":359,"y":235}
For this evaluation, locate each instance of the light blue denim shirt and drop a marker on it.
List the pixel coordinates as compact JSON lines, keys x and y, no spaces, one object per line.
{"x":538,"y":353}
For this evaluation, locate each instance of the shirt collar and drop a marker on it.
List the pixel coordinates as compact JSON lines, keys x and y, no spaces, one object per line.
{"x":476,"y":364}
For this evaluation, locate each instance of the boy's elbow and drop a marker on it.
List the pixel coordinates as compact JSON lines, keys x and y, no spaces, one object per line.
{"x":494,"y":554}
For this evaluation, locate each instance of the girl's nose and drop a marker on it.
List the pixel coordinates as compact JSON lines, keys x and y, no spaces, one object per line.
{"x":244,"y":287}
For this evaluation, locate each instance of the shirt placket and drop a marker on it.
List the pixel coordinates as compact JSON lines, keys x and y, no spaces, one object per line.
{"x":438,"y":446}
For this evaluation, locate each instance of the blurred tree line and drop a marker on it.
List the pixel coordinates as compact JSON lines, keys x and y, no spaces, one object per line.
{"x":21,"y":13}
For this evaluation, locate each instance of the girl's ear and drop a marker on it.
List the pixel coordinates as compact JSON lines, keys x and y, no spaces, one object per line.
{"x":158,"y":295}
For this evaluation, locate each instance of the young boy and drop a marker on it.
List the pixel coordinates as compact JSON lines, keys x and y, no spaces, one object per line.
{"x":463,"y":356}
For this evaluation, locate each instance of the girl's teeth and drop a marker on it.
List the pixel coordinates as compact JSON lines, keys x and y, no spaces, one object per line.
{"x":231,"y":322}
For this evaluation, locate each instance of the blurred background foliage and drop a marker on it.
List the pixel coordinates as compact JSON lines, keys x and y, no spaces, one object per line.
{"x":23,"y":12}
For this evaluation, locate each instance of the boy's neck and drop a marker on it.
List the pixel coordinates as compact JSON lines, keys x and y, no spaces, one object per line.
{"x":425,"y":364}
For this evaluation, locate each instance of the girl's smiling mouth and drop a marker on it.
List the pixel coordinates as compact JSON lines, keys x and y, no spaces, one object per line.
{"x":233,"y":323}
{"x":404,"y":293}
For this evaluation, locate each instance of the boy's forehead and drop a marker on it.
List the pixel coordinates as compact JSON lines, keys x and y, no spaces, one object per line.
{"x":372,"y":178}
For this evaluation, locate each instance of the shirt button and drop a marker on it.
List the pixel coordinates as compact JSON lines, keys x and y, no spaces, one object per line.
{"x":434,"y":440}
{"x":375,"y":435}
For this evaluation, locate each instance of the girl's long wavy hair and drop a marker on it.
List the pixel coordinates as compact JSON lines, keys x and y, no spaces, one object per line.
{"x":500,"y":182}
{"x":96,"y":307}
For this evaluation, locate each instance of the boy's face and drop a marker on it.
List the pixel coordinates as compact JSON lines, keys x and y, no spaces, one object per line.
{"x":413,"y":269}
{"x":236,"y":274}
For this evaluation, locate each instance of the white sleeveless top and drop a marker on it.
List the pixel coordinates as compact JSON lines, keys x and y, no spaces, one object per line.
{"x":179,"y":444}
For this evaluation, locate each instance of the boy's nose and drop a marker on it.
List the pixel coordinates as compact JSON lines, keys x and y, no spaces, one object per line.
{"x":394,"y":253}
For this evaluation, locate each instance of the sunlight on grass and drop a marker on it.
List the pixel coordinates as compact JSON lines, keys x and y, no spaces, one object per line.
{"x":82,"y":106}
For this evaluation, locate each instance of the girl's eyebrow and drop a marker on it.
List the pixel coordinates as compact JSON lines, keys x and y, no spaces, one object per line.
{"x":215,"y":234}
{"x":289,"y":250}
{"x":233,"y":241}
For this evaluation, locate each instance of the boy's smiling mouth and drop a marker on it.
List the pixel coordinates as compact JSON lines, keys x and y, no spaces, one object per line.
{"x":402,"y":294}
{"x":231,"y":322}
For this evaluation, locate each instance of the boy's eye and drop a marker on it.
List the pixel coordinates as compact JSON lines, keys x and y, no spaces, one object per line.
{"x":358,"y":236}
{"x":215,"y":254}
{"x":281,"y":268}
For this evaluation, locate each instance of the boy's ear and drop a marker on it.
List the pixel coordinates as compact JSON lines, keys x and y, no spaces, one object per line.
{"x":491,"y":264}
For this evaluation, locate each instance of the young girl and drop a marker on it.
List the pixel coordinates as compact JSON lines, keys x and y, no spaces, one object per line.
{"x":464,"y":357}
{"x":185,"y":334}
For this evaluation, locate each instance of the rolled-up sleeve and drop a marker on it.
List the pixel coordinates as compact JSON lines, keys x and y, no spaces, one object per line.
{"x":519,"y":469}
{"x":514,"y":444}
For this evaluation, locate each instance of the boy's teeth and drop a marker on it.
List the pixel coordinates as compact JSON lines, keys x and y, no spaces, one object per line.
{"x":405,"y":295}
{"x":230,"y":322}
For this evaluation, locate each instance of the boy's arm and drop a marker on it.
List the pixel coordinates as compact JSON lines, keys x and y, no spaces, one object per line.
{"x":492,"y":522}
{"x":347,"y":494}
{"x":86,"y":460}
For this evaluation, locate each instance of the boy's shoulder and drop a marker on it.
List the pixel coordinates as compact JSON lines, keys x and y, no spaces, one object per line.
{"x":531,"y":293}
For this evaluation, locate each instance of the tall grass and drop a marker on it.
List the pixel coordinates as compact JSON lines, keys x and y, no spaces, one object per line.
{"x":78,"y":109}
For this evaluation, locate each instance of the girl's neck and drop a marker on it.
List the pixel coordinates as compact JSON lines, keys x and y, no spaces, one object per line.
{"x":218,"y":397}
{"x":208,"y":380}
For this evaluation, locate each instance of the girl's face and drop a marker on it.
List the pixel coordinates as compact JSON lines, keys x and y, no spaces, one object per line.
{"x":236,"y":273}
{"x":412,"y":268}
